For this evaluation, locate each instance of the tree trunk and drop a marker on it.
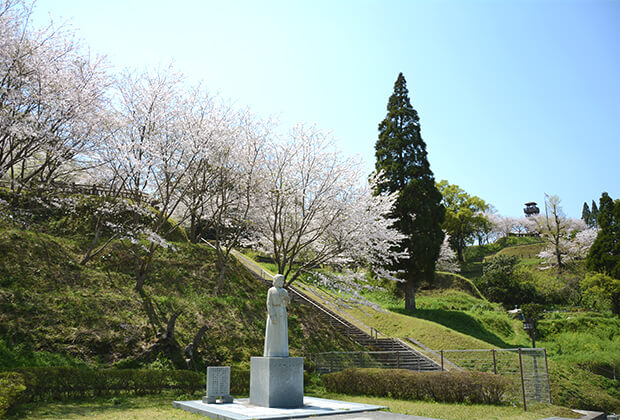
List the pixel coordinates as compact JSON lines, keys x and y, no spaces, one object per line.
{"x":166,"y":345}
{"x":139,"y":282}
{"x":410,"y":290}
{"x":459,"y":253}
{"x":151,"y":314}
{"x":169,"y":333}
{"x":191,"y":349}
{"x":220,"y":279}
{"x":558,"y":255}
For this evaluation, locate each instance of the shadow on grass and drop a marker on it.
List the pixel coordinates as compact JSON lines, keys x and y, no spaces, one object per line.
{"x":458,"y":321}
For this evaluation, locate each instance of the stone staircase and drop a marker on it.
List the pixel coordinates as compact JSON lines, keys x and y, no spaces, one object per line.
{"x":386,"y":352}
{"x":383,"y":351}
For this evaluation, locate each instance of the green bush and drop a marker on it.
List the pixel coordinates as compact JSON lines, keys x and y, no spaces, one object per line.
{"x":503,"y":282}
{"x":453,"y":387}
{"x":239,"y":381}
{"x":11,"y":387}
{"x":601,"y":292}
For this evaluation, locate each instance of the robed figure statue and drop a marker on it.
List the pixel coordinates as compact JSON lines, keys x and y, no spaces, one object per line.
{"x":276,"y":332}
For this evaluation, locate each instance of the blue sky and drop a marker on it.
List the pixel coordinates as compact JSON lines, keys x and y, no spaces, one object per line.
{"x":516,"y":98}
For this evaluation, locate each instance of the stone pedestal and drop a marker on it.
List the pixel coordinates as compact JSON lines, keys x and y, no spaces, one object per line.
{"x":277,"y":382}
{"x":218,"y":385}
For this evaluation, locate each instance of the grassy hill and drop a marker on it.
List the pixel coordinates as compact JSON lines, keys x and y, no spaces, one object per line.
{"x":454,"y":320}
{"x":54,"y":311}
{"x":583,"y":347}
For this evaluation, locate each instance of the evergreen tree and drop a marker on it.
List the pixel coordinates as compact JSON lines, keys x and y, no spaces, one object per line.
{"x":594,"y":215}
{"x":402,"y":157}
{"x":604,"y":254}
{"x":586,"y":215}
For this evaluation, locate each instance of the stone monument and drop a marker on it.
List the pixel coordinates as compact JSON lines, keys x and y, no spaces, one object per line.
{"x":277,"y":380}
{"x":218,"y":385}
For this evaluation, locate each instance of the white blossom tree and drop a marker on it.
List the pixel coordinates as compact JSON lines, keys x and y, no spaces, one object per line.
{"x":151,"y":154}
{"x":313,"y":209}
{"x":209,"y":125}
{"x":559,"y":231}
{"x":51,"y":96}
{"x":235,"y":168}
{"x":502,"y":225}
{"x":447,"y":260}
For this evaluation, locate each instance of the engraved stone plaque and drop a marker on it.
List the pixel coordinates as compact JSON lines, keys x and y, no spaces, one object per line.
{"x":218,"y":384}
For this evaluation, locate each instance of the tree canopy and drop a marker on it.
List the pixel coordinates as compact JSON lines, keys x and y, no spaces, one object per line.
{"x":604,"y":255}
{"x":464,"y":216}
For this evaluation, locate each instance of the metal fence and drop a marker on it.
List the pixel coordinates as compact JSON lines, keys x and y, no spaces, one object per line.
{"x":337,"y":361}
{"x":527,"y":368}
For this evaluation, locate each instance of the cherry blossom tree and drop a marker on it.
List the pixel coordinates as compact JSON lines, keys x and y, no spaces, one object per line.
{"x":51,"y":96}
{"x":209,"y":126}
{"x":502,"y":226}
{"x":559,"y":231}
{"x":313,"y":209}
{"x":447,"y":260}
{"x":150,"y":154}
{"x":235,"y":168}
{"x":529,"y":225}
{"x":486,"y":229}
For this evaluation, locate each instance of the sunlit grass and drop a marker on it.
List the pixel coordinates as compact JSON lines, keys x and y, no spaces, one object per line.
{"x":460,"y":411}
{"x":159,"y":407}
{"x":152,"y":407}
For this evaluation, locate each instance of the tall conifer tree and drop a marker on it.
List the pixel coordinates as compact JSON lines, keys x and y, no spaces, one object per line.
{"x":586,"y":215}
{"x":401,"y":156}
{"x":604,"y":254}
{"x":594,"y":215}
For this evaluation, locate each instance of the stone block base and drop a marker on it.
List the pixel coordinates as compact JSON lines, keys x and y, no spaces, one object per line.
{"x":213,"y":400}
{"x":277,"y":382}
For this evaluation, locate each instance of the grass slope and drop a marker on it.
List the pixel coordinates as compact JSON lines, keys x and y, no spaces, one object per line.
{"x":54,"y":311}
{"x":454,"y":320}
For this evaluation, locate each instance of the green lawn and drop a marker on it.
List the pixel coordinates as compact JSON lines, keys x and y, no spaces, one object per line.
{"x":159,"y":407}
{"x":152,"y":407}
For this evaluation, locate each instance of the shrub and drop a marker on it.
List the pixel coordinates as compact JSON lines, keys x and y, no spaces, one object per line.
{"x":453,"y":387}
{"x":601,"y":292}
{"x":502,"y":282}
{"x":239,"y":381}
{"x":11,"y":388}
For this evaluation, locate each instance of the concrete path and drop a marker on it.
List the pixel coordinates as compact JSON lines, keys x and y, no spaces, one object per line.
{"x":375,"y":415}
{"x":383,"y":415}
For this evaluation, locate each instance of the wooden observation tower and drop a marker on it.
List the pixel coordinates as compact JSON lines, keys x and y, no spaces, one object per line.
{"x":531,"y":209}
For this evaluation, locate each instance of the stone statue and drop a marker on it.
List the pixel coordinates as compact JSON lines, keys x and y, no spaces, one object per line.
{"x":277,"y":380}
{"x":276,"y":332}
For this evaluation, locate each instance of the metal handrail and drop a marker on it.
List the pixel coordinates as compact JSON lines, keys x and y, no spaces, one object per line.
{"x":374,"y":333}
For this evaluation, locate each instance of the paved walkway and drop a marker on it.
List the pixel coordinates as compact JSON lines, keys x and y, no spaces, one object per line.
{"x":374,"y":415}
{"x":382,"y":415}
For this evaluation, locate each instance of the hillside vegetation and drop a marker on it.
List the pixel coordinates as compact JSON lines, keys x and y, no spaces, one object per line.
{"x":54,"y":311}
{"x":583,"y":346}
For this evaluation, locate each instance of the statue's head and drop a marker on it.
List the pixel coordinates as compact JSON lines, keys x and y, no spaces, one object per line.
{"x":278,"y":280}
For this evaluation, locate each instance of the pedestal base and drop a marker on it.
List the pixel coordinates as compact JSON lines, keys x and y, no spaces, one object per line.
{"x":277,"y":382}
{"x":212,"y":400}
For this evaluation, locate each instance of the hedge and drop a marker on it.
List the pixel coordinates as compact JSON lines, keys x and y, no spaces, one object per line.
{"x":457,"y":387}
{"x":239,"y":381}
{"x":53,"y":383}
{"x":11,"y":387}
